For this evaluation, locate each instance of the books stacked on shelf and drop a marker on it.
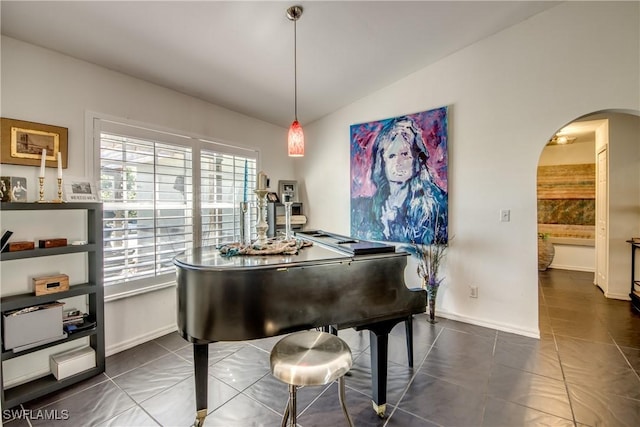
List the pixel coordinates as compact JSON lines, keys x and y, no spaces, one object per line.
{"x":74,"y":320}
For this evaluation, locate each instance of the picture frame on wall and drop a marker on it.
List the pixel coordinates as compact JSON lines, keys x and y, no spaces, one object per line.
{"x":79,"y":190}
{"x":22,"y":142}
{"x":288,"y":188}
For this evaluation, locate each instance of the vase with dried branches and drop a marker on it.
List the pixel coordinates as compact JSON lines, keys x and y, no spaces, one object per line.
{"x":430,"y":260}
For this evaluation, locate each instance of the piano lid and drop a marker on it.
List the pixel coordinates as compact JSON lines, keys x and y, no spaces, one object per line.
{"x":326,"y":248}
{"x":209,"y":258}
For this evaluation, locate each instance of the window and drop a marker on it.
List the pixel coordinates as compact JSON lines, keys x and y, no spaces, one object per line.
{"x":164,"y":193}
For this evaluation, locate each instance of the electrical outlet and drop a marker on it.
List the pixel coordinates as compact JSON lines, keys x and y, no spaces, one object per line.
{"x":505,"y":215}
{"x":473,"y":291}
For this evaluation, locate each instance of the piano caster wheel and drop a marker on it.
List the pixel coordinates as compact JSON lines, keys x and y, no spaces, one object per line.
{"x":200,"y":416}
{"x":380,"y":409}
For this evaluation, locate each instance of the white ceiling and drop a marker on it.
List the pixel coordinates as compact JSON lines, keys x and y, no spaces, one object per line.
{"x":239,"y":54}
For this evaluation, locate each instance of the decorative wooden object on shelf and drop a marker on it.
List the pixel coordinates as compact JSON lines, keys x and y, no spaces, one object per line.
{"x":51,"y":284}
{"x":20,"y":246}
{"x":52,"y":243}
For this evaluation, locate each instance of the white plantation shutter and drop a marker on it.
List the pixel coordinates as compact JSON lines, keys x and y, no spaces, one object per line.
{"x":222,"y":188}
{"x":165,"y":193}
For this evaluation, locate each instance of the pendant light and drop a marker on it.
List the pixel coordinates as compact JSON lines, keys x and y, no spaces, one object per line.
{"x":295,"y":140}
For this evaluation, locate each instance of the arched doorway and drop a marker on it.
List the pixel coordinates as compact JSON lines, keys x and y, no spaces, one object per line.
{"x":601,"y":152}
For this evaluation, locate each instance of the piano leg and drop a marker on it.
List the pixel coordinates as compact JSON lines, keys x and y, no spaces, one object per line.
{"x":379,"y":340}
{"x":201,"y":367}
{"x":408,"y":327}
{"x":379,"y":351}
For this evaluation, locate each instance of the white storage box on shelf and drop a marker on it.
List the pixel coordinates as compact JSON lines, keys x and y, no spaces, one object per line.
{"x":72,"y":362}
{"x":32,"y":326}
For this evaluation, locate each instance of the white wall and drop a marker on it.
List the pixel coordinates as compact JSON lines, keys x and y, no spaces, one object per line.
{"x":571,"y":154}
{"x":624,"y":200}
{"x":43,"y":86}
{"x":573,"y":255}
{"x":507,"y":96}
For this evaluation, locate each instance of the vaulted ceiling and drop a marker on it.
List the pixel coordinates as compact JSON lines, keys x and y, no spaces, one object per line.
{"x":239,"y":54}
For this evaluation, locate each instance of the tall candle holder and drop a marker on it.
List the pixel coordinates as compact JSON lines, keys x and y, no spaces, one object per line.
{"x":286,"y":201}
{"x":41,"y":190}
{"x":59,"y":199}
{"x":262,"y":225}
{"x":245,"y":223}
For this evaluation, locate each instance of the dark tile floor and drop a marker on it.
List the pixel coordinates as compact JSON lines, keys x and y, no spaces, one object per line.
{"x":584,"y":371}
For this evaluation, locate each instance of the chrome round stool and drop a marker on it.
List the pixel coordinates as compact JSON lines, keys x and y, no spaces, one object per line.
{"x":310,"y":358}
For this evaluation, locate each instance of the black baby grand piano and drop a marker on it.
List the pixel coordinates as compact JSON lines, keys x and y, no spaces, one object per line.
{"x":338,"y":282}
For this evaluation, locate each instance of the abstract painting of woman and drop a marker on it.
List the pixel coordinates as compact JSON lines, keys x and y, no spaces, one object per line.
{"x":395,"y":194}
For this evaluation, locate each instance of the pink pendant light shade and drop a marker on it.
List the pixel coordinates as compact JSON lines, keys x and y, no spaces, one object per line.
{"x":296,"y":140}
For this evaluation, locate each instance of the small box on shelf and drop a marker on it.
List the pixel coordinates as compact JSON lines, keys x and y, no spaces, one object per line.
{"x":50,"y":284}
{"x":52,"y":243}
{"x":72,"y":362}
{"x":20,"y":246}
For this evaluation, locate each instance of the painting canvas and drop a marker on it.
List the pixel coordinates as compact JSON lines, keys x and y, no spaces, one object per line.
{"x":567,"y":200}
{"x":399,"y":183}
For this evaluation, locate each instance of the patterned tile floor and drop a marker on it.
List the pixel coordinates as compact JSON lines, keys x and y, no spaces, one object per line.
{"x":584,"y":371}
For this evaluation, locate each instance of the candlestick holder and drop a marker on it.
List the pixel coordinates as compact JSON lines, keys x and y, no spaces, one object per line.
{"x":262,"y":226}
{"x":245,"y":223}
{"x":288,"y":233}
{"x":41,"y":190}
{"x":59,"y":199}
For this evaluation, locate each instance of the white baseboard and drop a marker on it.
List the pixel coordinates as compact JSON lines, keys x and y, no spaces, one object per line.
{"x":532,"y":333}
{"x":572,"y":268}
{"x":613,"y":295}
{"x":125,"y":345}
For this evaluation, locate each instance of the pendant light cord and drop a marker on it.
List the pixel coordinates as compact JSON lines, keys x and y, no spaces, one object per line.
{"x":295,"y":71}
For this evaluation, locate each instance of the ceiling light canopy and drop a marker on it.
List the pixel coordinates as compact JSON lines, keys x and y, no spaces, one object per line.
{"x":295,"y":140}
{"x":560,"y":139}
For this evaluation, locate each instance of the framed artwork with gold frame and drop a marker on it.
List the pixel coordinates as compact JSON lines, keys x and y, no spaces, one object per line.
{"x":22,"y":142}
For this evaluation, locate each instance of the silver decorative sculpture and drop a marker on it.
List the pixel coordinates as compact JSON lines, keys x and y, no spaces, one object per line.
{"x":262,"y":225}
{"x":245,"y":223}
{"x":286,"y":201}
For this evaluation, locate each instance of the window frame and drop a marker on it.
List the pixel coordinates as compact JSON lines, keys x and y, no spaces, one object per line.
{"x":99,"y":123}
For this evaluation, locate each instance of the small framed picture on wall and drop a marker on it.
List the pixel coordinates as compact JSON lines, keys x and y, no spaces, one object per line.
{"x":288,"y":190}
